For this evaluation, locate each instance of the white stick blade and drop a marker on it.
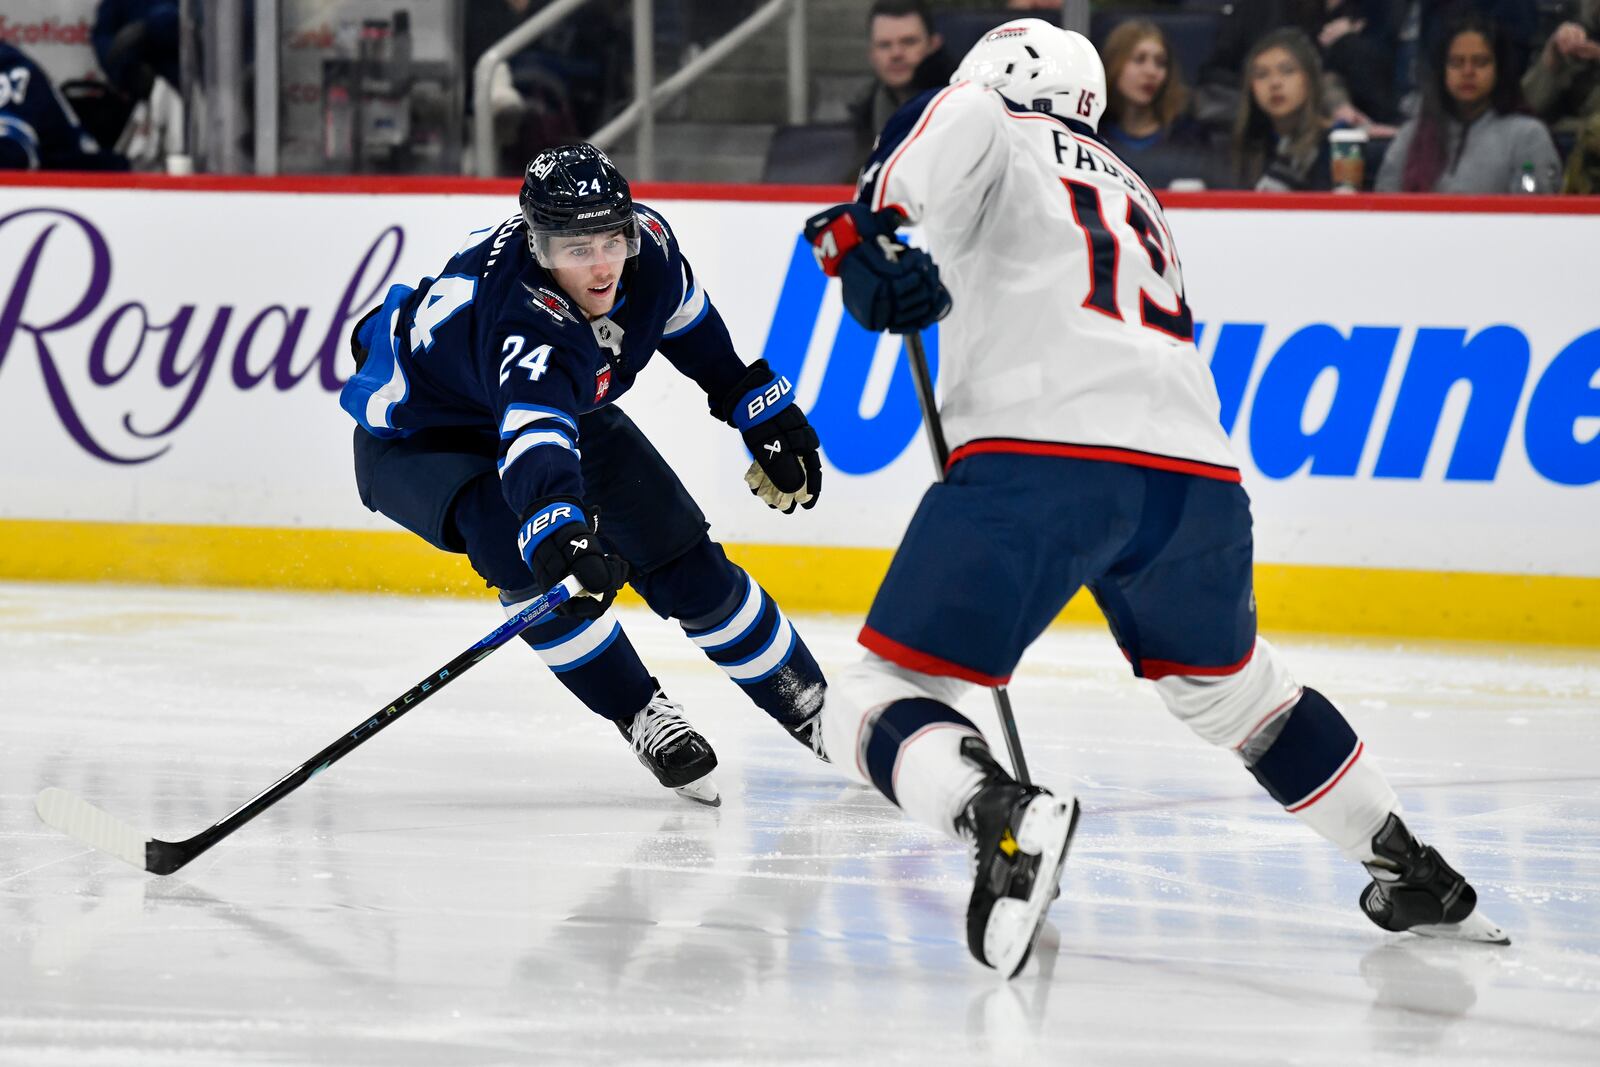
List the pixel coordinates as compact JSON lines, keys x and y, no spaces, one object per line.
{"x":77,"y":818}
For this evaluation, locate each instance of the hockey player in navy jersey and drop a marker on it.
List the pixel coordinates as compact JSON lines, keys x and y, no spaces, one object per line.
{"x":38,"y":128}
{"x":485,"y":398}
{"x":1086,"y":450}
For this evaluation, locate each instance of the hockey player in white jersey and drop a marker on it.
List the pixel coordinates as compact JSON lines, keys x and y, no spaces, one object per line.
{"x":1086,"y":449}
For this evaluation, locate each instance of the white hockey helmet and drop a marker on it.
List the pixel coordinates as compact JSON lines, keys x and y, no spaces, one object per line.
{"x":1044,"y":66}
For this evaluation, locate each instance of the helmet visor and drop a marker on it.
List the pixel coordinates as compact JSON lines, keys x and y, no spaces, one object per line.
{"x":568,"y":248}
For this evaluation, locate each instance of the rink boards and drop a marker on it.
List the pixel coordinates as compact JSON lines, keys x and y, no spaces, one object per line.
{"x":1413,"y":393}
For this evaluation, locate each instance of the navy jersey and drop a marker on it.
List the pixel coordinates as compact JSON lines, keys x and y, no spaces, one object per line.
{"x":38,"y":129}
{"x":493,"y":342}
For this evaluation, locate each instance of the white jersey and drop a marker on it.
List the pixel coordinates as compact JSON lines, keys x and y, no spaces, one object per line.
{"x":1069,"y":333}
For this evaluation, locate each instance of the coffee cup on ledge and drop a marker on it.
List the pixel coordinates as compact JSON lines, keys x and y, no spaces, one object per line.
{"x":1347,"y":147}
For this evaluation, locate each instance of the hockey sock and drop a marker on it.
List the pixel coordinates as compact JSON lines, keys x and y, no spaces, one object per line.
{"x":913,"y":755}
{"x":594,"y":659}
{"x":1314,"y":767}
{"x":754,"y":643}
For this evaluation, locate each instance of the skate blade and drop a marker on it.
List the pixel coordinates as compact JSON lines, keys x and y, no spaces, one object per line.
{"x":701,"y":791}
{"x":1475,"y":927}
{"x":1014,"y":925}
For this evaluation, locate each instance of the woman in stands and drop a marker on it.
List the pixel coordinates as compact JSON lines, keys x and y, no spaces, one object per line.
{"x":1146,"y":121}
{"x":1467,"y":137}
{"x":1280,"y":134}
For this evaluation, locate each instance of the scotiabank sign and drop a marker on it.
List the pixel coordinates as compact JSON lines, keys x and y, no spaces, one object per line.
{"x":44,"y":31}
{"x":56,"y":34}
{"x":159,"y":350}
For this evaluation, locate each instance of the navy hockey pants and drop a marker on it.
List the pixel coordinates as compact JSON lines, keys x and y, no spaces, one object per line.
{"x":442,"y":486}
{"x":993,"y":554}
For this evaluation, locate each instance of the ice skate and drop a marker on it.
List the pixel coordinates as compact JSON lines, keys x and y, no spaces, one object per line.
{"x":674,"y":752}
{"x":1413,"y":889}
{"x":809,"y":734}
{"x":1019,"y":836}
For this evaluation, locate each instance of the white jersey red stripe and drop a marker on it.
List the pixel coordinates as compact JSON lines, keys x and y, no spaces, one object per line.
{"x":1069,"y":324}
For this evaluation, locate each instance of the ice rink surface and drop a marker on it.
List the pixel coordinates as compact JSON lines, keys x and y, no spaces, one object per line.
{"x":495,"y":880}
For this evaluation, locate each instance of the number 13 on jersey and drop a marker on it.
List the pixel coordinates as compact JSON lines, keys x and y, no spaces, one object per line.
{"x":1105,"y":257}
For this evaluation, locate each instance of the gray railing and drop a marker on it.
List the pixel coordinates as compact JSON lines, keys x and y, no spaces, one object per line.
{"x":647,"y":95}
{"x":483,"y":74}
{"x":647,"y":98}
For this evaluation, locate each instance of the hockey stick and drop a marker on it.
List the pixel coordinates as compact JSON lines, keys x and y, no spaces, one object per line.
{"x":941,"y":456}
{"x":79,"y":819}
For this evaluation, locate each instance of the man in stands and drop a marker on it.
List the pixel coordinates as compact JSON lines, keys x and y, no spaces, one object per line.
{"x":907,"y":58}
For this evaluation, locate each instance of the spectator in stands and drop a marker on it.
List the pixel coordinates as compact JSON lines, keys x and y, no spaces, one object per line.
{"x":558,"y":87}
{"x":1146,"y":95}
{"x":1356,"y":41}
{"x":1467,"y":137}
{"x":38,"y":129}
{"x":136,"y":41}
{"x":1422,"y":23}
{"x":907,"y":58}
{"x":1563,"y":84}
{"x":138,"y":110}
{"x":1583,"y":166}
{"x":1280,"y":137}
{"x":1146,"y":121}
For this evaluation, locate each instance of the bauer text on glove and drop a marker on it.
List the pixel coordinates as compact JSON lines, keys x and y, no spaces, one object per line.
{"x":558,"y":539}
{"x":787,"y":470}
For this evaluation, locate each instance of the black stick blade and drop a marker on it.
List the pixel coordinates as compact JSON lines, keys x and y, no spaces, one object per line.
{"x":89,"y":825}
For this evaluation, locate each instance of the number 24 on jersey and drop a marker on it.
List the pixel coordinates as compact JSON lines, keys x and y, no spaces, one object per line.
{"x":535,"y":362}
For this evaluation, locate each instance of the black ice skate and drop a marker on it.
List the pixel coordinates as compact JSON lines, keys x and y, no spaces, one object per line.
{"x":1414,"y":889}
{"x":674,"y":752}
{"x":1019,"y":836}
{"x":809,"y":734}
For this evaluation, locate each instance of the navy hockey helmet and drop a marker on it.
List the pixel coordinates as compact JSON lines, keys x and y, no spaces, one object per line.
{"x":571,"y":193}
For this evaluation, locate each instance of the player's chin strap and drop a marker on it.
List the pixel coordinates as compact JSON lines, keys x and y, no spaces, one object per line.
{"x":941,"y":456}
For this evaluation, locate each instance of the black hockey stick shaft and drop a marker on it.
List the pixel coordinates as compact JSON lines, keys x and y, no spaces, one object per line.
{"x":941,"y":457}
{"x":164,"y":857}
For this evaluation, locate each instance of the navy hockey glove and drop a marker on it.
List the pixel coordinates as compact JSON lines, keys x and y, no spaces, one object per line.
{"x":887,"y":284}
{"x":556,"y":540}
{"x":787,"y":470}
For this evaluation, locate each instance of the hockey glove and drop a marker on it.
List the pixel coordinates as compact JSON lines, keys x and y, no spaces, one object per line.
{"x":887,"y":284}
{"x":787,"y":470}
{"x":556,"y":540}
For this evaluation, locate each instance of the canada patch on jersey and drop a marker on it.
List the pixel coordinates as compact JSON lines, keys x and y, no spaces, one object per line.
{"x":602,"y":383}
{"x":554,"y":304}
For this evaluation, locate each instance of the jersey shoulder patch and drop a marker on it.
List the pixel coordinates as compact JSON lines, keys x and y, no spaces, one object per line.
{"x":653,"y":224}
{"x":554,"y":304}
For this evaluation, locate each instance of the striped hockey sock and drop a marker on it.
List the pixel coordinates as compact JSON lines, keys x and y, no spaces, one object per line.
{"x":595,"y":660}
{"x":1317,"y":768}
{"x":757,"y":646}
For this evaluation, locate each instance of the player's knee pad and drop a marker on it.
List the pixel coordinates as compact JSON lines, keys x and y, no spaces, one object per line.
{"x":881,"y":725}
{"x":1227,"y":709}
{"x":1309,"y":759}
{"x":862,"y":690}
{"x":696,"y":586}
